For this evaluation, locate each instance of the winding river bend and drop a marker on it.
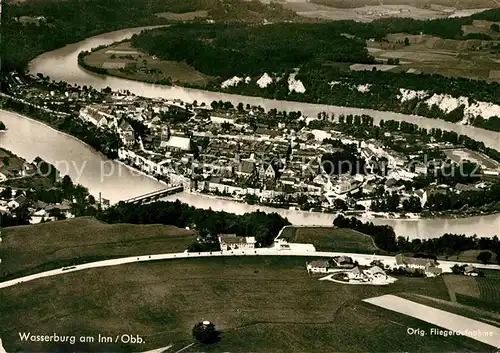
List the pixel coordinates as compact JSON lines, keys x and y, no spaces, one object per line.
{"x":28,"y":139}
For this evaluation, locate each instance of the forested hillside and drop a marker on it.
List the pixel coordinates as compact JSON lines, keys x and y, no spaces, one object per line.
{"x":319,"y":51}
{"x":73,"y":20}
{"x":227,"y":50}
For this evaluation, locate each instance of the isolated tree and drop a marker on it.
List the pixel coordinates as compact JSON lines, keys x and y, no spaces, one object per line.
{"x":484,"y":257}
{"x":67,"y":183}
{"x":407,"y":41}
{"x":458,"y":270}
{"x":340,"y":204}
{"x":6,"y":193}
{"x":495,"y":27}
{"x":206,"y":333}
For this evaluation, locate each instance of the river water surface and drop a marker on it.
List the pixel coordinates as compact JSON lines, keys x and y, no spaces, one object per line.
{"x":28,"y":139}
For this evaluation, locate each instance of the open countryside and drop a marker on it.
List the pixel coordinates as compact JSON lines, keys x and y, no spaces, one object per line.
{"x":171,"y":296}
{"x":31,"y":249}
{"x":124,"y":61}
{"x":370,"y":10}
{"x":330,"y":239}
{"x":472,"y":58}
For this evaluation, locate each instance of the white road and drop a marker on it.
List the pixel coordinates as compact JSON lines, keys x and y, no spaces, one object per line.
{"x":474,"y":329}
{"x":362,"y":259}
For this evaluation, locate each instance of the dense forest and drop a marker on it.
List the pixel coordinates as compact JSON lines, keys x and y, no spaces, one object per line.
{"x":223,"y":51}
{"x":70,"y":21}
{"x":240,"y":50}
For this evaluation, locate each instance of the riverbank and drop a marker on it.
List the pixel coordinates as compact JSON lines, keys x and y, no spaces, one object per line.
{"x":62,"y":65}
{"x":366,"y":215}
{"x":395,"y":100}
{"x":62,"y":122}
{"x":55,"y":129}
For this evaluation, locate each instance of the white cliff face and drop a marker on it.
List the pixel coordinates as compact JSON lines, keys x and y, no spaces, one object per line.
{"x":447,"y":103}
{"x":295,"y":85}
{"x":231,"y":82}
{"x":264,"y":81}
{"x":2,"y":350}
{"x":363,"y":88}
{"x":408,"y":94}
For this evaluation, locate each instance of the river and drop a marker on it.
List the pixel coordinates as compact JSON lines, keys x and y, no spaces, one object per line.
{"x":28,"y":139}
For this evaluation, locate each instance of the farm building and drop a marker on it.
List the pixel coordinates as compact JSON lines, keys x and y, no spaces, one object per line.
{"x":232,"y":242}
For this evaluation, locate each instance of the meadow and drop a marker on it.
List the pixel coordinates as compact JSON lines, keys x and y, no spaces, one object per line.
{"x":331,"y":239}
{"x":258,"y":303}
{"x":41,"y":247}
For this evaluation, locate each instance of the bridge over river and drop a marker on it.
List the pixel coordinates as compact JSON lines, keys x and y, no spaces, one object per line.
{"x":155,"y":195}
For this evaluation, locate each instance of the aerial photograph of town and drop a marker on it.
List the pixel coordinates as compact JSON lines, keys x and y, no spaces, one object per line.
{"x":310,"y":176}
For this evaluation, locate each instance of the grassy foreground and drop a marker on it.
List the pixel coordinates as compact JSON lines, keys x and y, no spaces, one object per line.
{"x":331,"y":239}
{"x":41,"y":247}
{"x":260,"y":304}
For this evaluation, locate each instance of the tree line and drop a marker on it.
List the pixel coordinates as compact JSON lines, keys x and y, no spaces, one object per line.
{"x":103,"y":141}
{"x":447,"y":245}
{"x":227,"y":50}
{"x":71,"y":21}
{"x":264,"y":227}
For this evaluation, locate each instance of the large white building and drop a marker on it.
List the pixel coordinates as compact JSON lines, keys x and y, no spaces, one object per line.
{"x":344,"y":184}
{"x":232,"y":242}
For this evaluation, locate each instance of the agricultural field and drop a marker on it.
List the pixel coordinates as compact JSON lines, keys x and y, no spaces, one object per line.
{"x":473,"y":59}
{"x":258,"y":303}
{"x":426,"y":4}
{"x":370,"y":10}
{"x":463,"y":285}
{"x":331,"y":239}
{"x":122,"y":60}
{"x":438,"y":317}
{"x":468,"y":311}
{"x":40,"y":247}
{"x":363,"y":13}
{"x":490,"y":289}
{"x":468,"y":256}
{"x":478,"y":292}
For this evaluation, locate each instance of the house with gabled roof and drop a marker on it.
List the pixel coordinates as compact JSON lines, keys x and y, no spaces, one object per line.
{"x":17,"y":202}
{"x":428,"y":266}
{"x":233,"y":242}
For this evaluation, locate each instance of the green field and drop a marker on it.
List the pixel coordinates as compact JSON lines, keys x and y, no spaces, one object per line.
{"x":173,"y":70}
{"x":37,"y":248}
{"x":469,"y":256}
{"x":481,"y":293}
{"x":466,"y":309}
{"x":468,"y":4}
{"x":331,"y":239}
{"x":259,"y":304}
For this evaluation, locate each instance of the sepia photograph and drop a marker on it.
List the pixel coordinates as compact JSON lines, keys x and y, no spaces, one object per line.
{"x":249,"y":176}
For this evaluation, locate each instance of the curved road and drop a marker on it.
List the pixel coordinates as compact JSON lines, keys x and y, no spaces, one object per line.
{"x":362,"y":259}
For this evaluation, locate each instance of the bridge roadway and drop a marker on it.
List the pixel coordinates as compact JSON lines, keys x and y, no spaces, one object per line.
{"x":156,"y":194}
{"x":362,"y":259}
